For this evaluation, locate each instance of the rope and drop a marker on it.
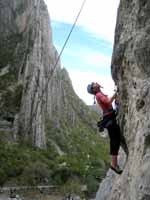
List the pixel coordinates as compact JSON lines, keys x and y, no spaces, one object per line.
{"x":53,"y":70}
{"x":70,"y":33}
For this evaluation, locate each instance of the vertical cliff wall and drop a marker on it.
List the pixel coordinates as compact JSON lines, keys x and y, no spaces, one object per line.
{"x":131,"y":72}
{"x":27,"y":58}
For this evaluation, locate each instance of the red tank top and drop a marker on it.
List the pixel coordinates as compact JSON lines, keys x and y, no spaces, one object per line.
{"x":103,"y":101}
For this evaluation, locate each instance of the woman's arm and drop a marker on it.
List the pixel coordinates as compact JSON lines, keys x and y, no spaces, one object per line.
{"x":113,"y":97}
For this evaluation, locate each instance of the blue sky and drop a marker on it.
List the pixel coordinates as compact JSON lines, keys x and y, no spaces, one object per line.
{"x":80,"y":48}
{"x":87,"y":55}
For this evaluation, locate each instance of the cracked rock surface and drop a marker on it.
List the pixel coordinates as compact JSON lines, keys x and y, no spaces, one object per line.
{"x":131,"y":72}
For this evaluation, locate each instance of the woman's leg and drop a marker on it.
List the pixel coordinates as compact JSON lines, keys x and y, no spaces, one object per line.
{"x":114,"y":135}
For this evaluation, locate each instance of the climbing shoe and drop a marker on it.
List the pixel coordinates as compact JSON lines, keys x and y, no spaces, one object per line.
{"x":116,"y":169}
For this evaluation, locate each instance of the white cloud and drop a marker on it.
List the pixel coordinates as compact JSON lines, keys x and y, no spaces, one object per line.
{"x":98,"y":60}
{"x":88,"y":56}
{"x":80,"y":80}
{"x":98,"y":16}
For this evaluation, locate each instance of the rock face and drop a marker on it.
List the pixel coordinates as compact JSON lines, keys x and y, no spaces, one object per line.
{"x":32,"y":89}
{"x":27,"y":58}
{"x":131,"y":72}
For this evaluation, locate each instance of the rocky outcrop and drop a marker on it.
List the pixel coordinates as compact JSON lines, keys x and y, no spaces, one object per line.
{"x":131,"y":72}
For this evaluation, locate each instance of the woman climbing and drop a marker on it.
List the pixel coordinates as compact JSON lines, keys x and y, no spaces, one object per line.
{"x":108,"y":122}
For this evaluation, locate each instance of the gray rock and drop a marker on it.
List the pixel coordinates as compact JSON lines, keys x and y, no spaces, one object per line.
{"x":26,"y":26}
{"x":131,"y":72}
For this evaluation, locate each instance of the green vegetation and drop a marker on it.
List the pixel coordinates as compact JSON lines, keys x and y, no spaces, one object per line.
{"x":6,"y":80}
{"x":7,"y":53}
{"x":28,"y":166}
{"x":86,"y":154}
{"x":11,"y":100}
{"x":81,"y":164}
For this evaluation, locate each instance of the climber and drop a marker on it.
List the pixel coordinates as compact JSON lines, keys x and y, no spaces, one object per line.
{"x":108,"y":122}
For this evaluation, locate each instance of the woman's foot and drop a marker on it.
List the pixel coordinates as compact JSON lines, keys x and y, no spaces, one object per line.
{"x":116,"y":169}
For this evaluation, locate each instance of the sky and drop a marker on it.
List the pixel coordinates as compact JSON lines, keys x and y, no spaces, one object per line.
{"x":87,"y":55}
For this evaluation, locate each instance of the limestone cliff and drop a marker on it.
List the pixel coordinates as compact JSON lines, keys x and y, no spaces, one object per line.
{"x":131,"y":72}
{"x":27,"y":58}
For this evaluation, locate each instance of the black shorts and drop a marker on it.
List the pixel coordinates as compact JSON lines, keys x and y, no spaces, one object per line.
{"x":114,"y":135}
